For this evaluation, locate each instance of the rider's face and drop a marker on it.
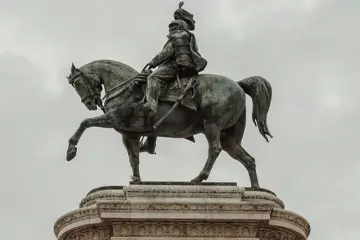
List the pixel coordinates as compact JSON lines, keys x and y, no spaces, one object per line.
{"x":173,"y":27}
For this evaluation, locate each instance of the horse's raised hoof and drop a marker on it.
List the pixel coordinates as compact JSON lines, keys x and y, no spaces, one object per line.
{"x":135,"y":179}
{"x":71,"y":153}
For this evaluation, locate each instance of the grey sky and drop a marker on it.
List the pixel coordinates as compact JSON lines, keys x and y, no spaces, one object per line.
{"x":308,"y":50}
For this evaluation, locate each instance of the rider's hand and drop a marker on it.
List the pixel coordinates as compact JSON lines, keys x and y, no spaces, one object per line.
{"x":151,"y":65}
{"x":133,"y":84}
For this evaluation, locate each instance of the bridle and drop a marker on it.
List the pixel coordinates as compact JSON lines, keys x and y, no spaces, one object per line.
{"x":112,"y":93}
{"x":91,"y":92}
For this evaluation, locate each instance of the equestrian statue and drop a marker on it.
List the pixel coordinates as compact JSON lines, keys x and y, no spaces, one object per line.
{"x":171,"y":98}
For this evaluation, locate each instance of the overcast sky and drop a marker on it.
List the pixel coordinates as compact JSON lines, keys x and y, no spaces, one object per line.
{"x":308,"y":50}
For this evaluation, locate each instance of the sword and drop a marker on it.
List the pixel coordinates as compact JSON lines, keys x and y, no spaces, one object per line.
{"x":177,"y":102}
{"x":144,"y":68}
{"x":179,"y":82}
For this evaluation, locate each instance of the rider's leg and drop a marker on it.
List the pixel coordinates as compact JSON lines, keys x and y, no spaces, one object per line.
{"x":163,"y":74}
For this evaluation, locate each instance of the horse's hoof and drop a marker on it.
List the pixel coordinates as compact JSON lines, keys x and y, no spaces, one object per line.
{"x":197,"y":180}
{"x":201,"y":177}
{"x":71,"y":153}
{"x":135,"y":179}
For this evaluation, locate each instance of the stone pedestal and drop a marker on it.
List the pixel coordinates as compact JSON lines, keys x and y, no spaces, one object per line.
{"x":159,"y":211}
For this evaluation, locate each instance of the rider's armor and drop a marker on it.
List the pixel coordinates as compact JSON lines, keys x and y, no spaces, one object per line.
{"x":175,"y":59}
{"x":181,"y":45}
{"x":177,"y":49}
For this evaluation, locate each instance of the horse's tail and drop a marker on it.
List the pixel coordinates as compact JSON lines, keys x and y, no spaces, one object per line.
{"x":259,"y":89}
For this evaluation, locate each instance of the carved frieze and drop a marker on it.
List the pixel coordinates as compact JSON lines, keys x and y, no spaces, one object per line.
{"x":185,"y":229}
{"x":181,"y":207}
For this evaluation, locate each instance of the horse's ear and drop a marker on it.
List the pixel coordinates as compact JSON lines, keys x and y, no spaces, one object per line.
{"x":73,"y":68}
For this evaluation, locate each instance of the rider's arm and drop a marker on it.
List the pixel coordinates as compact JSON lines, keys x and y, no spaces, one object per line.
{"x":167,"y":52}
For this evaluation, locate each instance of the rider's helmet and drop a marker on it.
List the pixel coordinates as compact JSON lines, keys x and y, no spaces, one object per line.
{"x":182,"y":14}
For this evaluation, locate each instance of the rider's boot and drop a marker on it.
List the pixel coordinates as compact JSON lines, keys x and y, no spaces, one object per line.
{"x":152,"y":96}
{"x":149,"y":145}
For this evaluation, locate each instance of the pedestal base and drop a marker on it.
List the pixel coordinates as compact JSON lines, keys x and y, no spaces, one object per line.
{"x":160,"y":211}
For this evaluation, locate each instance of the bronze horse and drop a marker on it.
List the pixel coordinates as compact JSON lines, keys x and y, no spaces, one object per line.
{"x":220,"y":114}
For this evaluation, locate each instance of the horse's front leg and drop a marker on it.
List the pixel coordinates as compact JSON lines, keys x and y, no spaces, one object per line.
{"x":132,"y":145}
{"x":104,"y":121}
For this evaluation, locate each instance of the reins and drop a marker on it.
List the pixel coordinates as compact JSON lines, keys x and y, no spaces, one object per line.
{"x":123,"y":83}
{"x":116,"y":87}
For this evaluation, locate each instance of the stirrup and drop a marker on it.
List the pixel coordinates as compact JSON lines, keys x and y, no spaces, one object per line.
{"x":138,"y":107}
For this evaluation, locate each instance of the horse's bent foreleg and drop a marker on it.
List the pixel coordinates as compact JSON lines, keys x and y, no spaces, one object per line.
{"x":103,"y":121}
{"x":212,"y":133}
{"x":132,"y":145}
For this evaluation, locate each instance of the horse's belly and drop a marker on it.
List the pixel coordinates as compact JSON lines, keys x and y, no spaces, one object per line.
{"x":182,"y":122}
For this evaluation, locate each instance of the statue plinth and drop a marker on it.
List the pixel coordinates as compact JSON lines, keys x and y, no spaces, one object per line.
{"x":174,"y":210}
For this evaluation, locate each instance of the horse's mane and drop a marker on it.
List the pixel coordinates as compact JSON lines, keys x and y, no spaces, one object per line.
{"x":110,"y":62}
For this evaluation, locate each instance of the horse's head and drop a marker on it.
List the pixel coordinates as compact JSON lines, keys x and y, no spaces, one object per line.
{"x":88,"y":87}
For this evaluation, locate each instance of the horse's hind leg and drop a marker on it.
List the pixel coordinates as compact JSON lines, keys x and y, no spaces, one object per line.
{"x":231,"y":143}
{"x":212,"y":133}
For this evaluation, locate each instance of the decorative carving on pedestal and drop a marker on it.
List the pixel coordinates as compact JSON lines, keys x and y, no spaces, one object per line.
{"x":180,"y":212}
{"x":93,"y":233}
{"x":269,"y":233}
{"x":186,"y":229}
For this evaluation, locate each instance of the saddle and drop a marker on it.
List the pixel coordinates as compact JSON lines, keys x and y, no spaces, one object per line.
{"x":169,"y":92}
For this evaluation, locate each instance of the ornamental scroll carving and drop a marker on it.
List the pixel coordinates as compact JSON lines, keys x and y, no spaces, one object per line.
{"x":93,"y":233}
{"x":266,"y":233}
